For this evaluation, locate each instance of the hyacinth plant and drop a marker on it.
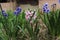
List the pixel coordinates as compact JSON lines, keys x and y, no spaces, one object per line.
{"x":51,"y":19}
{"x":32,"y":24}
{"x":9,"y":24}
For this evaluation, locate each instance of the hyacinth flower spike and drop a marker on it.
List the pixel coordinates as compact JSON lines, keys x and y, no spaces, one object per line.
{"x":17,"y":11}
{"x":46,"y":8}
{"x":30,"y":15}
{"x":4,"y":13}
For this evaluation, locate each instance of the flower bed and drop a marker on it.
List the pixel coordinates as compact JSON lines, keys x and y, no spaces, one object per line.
{"x":25,"y":25}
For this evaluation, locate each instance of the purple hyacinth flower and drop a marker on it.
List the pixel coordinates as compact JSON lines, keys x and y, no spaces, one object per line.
{"x":46,"y":4}
{"x":46,"y":8}
{"x":17,"y":11}
{"x":4,"y":13}
{"x":47,"y":11}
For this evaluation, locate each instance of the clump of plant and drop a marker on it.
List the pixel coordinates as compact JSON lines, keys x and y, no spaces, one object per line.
{"x":19,"y":25}
{"x":52,"y":21}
